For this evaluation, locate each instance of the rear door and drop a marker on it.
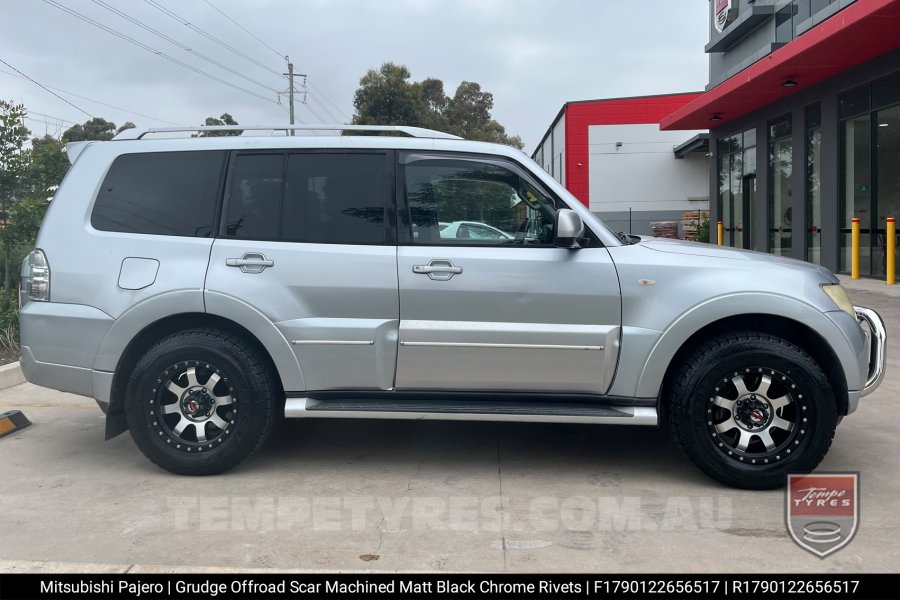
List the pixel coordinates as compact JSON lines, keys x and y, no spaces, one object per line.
{"x":305,"y":241}
{"x":497,"y":312}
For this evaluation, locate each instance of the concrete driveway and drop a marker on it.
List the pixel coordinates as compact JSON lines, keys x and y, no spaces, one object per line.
{"x":454,"y":496}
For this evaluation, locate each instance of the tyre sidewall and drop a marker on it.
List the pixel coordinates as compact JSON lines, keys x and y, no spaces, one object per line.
{"x":251,"y":410}
{"x":811,"y":384}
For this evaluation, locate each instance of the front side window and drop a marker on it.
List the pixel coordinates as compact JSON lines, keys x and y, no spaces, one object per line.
{"x":160,"y":193}
{"x":467,"y":202}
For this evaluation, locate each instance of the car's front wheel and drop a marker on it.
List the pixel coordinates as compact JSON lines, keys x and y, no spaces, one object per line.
{"x":748,"y":408}
{"x":200,"y":401}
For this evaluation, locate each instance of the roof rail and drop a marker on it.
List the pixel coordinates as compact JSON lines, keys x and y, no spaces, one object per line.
{"x":418,"y":132}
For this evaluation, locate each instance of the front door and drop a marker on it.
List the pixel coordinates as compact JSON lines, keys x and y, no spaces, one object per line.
{"x":304,"y":241}
{"x":486,"y":301}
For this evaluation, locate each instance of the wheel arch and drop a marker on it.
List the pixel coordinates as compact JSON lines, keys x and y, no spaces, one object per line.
{"x":266,"y":340}
{"x":786,"y":317}
{"x":796,"y":332}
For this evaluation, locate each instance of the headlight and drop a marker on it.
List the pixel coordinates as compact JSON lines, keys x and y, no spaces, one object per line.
{"x":839,"y":296}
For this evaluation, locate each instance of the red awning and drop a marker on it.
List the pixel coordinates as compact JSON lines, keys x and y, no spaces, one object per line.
{"x":856,"y":34}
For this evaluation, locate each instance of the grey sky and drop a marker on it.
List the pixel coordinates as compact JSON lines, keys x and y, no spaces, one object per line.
{"x":533,"y":55}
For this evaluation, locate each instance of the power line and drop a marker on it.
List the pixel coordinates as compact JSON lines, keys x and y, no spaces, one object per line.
{"x":113,"y":106}
{"x":153,"y":50}
{"x":247,"y":31}
{"x":327,"y":99}
{"x":324,"y":108}
{"x":34,"y":112}
{"x":175,"y":42}
{"x":209,"y":36}
{"x":310,"y":109}
{"x":46,"y":89}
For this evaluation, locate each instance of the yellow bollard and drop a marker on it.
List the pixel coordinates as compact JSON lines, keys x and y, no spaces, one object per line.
{"x":854,"y":248}
{"x":719,"y":230}
{"x":890,"y":246}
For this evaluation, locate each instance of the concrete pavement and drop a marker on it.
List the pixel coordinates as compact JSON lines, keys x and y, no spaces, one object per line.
{"x":453,"y":496}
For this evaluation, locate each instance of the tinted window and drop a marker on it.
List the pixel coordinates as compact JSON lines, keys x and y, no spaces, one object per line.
{"x":254,"y":200}
{"x":470,"y":202}
{"x":335,"y":199}
{"x":162,"y":193}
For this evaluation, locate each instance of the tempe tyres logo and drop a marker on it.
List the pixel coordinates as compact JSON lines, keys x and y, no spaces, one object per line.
{"x":822,"y":510}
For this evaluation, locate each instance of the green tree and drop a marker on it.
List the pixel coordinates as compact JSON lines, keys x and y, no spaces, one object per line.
{"x":13,"y":166}
{"x":94,"y":129}
{"x":469,"y":116}
{"x":388,"y":96}
{"x":47,"y":165}
{"x":225,"y":119}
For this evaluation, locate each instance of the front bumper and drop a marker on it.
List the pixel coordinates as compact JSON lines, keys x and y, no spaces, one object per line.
{"x":877,"y":342}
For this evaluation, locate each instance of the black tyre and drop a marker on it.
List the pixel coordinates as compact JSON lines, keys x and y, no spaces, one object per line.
{"x":200,"y":401}
{"x":748,"y":408}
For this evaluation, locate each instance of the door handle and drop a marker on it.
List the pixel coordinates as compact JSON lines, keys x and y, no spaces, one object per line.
{"x":438,"y":269}
{"x":250,"y":262}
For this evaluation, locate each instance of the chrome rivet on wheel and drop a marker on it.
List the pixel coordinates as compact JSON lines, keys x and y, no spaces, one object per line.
{"x":804,"y":408}
{"x":747,"y":371}
{"x":800,"y":396}
{"x":154,"y":422}
{"x":778,"y":457}
{"x":730,"y":453}
{"x":754,"y":461}
{"x":805,"y":419}
{"x":797,"y":443}
{"x":788,"y":450}
{"x":802,"y":431}
{"x":708,"y":423}
{"x":720,"y":444}
{"x":742,"y":458}
{"x":766,"y":461}
{"x":160,"y":433}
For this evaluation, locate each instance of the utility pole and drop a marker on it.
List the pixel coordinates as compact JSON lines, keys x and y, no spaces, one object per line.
{"x":290,"y":75}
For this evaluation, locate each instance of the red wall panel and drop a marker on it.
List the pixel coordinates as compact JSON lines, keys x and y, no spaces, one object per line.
{"x":620,"y":111}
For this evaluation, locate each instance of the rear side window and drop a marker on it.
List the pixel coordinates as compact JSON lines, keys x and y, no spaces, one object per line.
{"x":335,"y":199}
{"x":325,"y":198}
{"x":254,"y":201}
{"x":161,"y":193}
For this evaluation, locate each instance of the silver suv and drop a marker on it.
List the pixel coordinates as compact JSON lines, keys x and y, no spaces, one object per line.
{"x":197,"y":288}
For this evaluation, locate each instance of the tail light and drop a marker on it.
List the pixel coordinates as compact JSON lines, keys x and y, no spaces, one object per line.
{"x":35,"y":278}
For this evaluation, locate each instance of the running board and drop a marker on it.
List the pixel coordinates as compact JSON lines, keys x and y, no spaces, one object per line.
{"x":535,"y":412}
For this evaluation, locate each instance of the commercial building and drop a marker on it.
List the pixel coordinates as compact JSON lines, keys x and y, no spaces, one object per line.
{"x":803,"y":112}
{"x":613,"y":157}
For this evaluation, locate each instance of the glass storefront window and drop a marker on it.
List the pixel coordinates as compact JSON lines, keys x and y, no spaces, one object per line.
{"x":857,"y":189}
{"x":813,"y":184}
{"x":888,"y":189}
{"x":780,"y":193}
{"x":737,"y":185}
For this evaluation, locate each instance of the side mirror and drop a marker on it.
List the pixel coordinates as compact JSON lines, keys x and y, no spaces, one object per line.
{"x":568,"y":228}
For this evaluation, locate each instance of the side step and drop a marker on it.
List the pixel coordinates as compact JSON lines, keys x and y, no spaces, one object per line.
{"x":536,"y":412}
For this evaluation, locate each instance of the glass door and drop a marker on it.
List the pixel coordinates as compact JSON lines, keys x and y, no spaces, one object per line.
{"x":887,"y":191}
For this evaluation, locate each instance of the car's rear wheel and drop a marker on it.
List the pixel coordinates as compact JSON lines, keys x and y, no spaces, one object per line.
{"x":200,"y":401}
{"x":748,"y":408}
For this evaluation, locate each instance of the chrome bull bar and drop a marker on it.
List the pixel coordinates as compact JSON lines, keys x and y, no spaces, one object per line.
{"x":877,"y":348}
